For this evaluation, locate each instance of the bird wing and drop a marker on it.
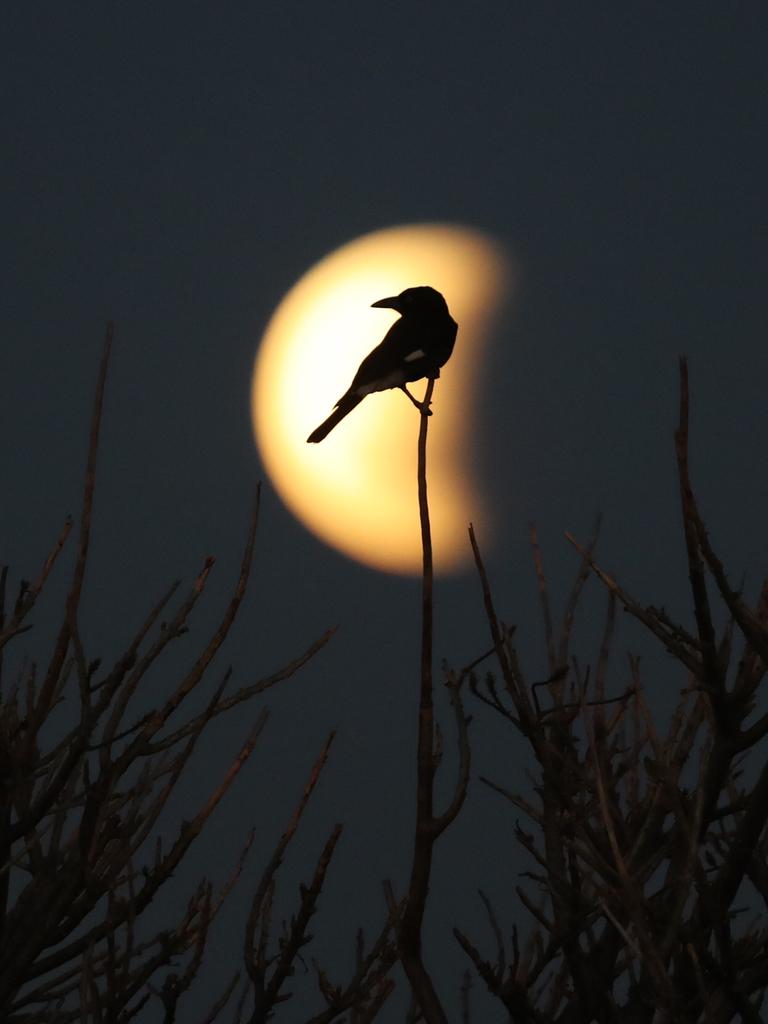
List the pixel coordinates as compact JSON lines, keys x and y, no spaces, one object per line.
{"x":411,"y":349}
{"x":387,"y":358}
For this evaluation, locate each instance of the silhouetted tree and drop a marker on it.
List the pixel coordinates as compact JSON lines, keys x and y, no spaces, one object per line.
{"x":81,"y":796}
{"x":644,"y":843}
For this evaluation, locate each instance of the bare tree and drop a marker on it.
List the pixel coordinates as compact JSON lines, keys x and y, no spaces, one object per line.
{"x":644,"y":843}
{"x":81,"y":797}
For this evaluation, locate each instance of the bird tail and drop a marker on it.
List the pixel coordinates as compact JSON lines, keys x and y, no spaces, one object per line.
{"x":344,"y":406}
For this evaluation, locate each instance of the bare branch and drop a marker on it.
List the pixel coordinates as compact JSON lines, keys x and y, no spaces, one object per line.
{"x":410,"y":924}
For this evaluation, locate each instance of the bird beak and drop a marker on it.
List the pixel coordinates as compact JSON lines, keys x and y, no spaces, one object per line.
{"x":390,"y":303}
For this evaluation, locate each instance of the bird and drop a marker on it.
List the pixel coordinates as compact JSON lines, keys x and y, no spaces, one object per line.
{"x":415,"y":346}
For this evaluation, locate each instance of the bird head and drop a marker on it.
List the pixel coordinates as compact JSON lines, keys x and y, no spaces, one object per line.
{"x":419,"y":300}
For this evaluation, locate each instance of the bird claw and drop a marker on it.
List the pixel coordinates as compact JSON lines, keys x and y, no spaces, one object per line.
{"x":423,"y":407}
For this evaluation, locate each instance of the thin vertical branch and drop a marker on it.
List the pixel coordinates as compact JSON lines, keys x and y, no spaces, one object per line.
{"x":73,"y":597}
{"x":546,"y":612}
{"x":427,"y":581}
{"x":409,"y":933}
{"x":712,"y":676}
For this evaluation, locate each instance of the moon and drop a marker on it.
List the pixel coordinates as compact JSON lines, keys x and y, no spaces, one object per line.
{"x":356,"y":490}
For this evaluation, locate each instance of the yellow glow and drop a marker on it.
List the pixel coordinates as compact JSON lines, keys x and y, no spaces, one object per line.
{"x":357,"y":489}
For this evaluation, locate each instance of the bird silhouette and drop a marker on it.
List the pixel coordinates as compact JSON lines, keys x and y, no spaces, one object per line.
{"x":415,"y":346}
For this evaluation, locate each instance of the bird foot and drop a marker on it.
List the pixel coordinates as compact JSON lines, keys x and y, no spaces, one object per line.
{"x":423,"y":407}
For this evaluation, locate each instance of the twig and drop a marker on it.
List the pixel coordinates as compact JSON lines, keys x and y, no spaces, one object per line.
{"x":73,"y":597}
{"x":409,"y":931}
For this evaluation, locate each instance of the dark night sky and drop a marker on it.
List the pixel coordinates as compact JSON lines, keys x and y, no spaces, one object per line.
{"x":177,"y":167}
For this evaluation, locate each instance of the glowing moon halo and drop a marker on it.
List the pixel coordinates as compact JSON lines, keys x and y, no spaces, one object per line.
{"x":356,"y":490}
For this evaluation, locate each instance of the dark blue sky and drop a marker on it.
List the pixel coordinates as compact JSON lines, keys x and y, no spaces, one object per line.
{"x":177,"y":167}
